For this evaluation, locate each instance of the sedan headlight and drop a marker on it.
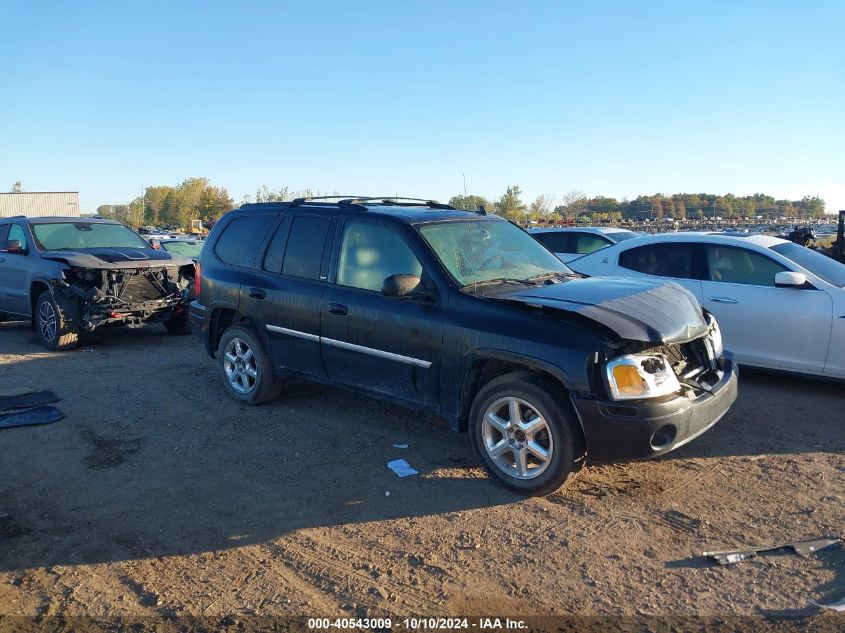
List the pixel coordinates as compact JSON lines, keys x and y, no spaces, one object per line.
{"x":636,"y":376}
{"x":715,"y":335}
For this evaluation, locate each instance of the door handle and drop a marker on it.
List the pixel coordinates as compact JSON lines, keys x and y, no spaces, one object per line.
{"x":338,"y":308}
{"x":723,"y":300}
{"x":257,"y":293}
{"x":2,"y":259}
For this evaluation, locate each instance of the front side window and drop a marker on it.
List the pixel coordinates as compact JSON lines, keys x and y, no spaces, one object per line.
{"x":740,"y":266}
{"x":370,"y":253}
{"x":662,"y":260}
{"x":478,"y":251}
{"x":58,"y":236}
{"x":16,"y":232}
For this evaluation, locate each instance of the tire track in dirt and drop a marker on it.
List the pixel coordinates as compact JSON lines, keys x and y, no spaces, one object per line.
{"x":338,"y":572}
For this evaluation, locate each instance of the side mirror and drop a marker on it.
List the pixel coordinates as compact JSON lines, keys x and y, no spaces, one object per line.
{"x":12,"y":246}
{"x":789,"y":279}
{"x":156,"y":244}
{"x":400,"y":286}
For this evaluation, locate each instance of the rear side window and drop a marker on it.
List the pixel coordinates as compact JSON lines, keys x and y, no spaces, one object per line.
{"x":4,"y":231}
{"x":305,"y":246}
{"x":241,"y":238}
{"x":664,"y":260}
{"x":555,"y":242}
{"x":276,"y":250}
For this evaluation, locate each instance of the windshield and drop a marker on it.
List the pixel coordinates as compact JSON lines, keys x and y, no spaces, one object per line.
{"x":57,"y":236}
{"x":618,"y":236}
{"x":820,"y":265}
{"x":475,"y":251}
{"x":183,"y":248}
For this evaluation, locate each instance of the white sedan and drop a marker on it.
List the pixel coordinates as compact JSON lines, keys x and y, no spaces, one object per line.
{"x":779,"y":305}
{"x":569,"y":243}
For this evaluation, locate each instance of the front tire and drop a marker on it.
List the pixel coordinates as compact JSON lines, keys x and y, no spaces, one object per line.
{"x":245,"y":367}
{"x":54,"y":331}
{"x":520,"y":428}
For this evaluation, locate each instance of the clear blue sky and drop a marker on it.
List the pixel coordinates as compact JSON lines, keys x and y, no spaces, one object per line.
{"x":613,"y":98}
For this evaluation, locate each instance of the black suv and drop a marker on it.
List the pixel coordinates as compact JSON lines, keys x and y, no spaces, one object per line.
{"x":465,"y":315}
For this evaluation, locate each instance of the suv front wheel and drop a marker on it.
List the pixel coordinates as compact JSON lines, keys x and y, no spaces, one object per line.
{"x":522,"y":433}
{"x":54,"y":331}
{"x":245,"y":366}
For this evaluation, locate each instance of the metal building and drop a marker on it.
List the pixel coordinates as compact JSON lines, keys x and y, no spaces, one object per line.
{"x":35,"y":203}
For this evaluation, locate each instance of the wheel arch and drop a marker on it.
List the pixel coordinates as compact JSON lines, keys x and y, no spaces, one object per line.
{"x":486,"y":365}
{"x":36,"y":288}
{"x":482,"y":366}
{"x":223,"y":318}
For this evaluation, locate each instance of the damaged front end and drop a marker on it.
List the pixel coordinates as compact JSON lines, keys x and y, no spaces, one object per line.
{"x":637,"y":369}
{"x":92,"y":297}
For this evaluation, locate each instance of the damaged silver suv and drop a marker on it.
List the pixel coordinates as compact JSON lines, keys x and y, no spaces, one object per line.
{"x":72,"y":275}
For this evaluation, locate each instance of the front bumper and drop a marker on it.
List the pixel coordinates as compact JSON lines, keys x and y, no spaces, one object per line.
{"x":630,"y":430}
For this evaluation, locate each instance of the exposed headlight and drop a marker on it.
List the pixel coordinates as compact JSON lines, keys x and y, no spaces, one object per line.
{"x":715,"y":335}
{"x":636,"y":376}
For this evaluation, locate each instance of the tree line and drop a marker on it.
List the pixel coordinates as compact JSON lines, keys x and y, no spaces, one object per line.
{"x":574,"y":205}
{"x":198,"y":199}
{"x":163,"y":205}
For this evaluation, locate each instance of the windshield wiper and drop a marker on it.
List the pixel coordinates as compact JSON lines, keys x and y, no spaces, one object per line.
{"x":502,"y":280}
{"x":547,"y":276}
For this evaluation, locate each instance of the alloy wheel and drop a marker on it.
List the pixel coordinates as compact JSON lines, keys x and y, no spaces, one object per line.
{"x":240,"y":367}
{"x":517,"y":438}
{"x":47,"y":321}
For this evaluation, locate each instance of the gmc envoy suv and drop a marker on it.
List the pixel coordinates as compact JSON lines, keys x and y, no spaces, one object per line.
{"x":464,"y":315}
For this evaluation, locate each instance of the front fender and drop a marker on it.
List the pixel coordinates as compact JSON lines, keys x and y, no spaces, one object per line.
{"x":572,"y":375}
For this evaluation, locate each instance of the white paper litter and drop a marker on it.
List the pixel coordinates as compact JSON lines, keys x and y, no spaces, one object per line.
{"x":400,"y":446}
{"x":402,"y":468}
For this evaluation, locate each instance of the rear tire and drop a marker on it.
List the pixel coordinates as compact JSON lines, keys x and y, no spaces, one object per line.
{"x":245,"y":366}
{"x":178,"y":326}
{"x":54,"y":331}
{"x":520,"y":428}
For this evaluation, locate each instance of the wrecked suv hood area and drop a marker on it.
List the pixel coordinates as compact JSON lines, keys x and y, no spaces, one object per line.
{"x":116,"y":258}
{"x":636,"y":310}
{"x":129,"y":286}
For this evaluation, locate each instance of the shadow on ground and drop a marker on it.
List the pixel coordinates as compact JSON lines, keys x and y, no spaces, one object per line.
{"x":153,"y":459}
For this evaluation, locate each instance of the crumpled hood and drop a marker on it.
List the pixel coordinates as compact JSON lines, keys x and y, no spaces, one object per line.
{"x":115,"y":258}
{"x":637,"y":310}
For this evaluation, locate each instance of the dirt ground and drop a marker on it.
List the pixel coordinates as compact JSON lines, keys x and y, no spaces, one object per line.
{"x":158,"y":495}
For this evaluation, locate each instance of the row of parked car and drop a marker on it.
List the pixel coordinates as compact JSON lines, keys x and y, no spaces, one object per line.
{"x":780,"y":305}
{"x":617,"y":356}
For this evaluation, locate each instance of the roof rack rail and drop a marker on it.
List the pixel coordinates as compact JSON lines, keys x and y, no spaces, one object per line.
{"x":361,"y":201}
{"x":398,"y":201}
{"x":306,"y":199}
